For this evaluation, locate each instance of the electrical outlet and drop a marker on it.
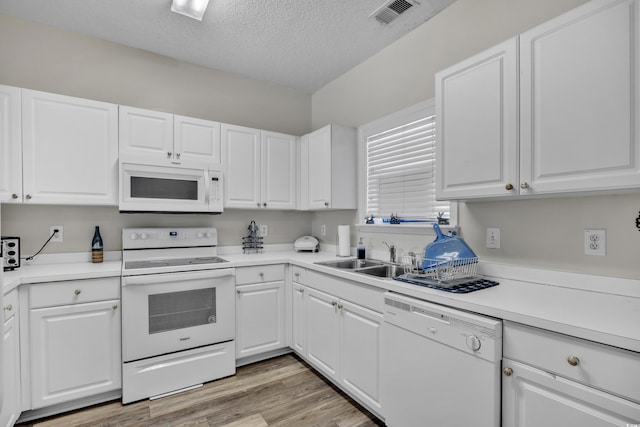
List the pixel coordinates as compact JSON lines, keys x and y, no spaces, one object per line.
{"x":264,"y":230}
{"x":595,"y":242}
{"x":493,"y":238}
{"x":59,"y":236}
{"x":323,"y":230}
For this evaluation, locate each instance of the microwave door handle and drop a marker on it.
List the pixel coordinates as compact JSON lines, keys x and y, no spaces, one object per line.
{"x":152,"y":279}
{"x":207,"y":188}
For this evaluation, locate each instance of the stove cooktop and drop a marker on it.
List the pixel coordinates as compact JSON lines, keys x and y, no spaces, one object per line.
{"x":175,"y":262}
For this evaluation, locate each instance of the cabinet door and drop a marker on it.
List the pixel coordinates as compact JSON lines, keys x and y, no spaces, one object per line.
{"x":10,"y":384}
{"x":259,"y":318}
{"x":319,"y":167}
{"x":477,"y":125}
{"x":360,"y":349}
{"x":298,"y":319}
{"x":196,"y":139}
{"x":10,"y":145}
{"x":146,"y":132}
{"x":70,"y":150}
{"x":534,"y":398}
{"x":323,"y":332}
{"x":580,"y":98}
{"x":75,"y":352}
{"x":241,"y":161}
{"x":278,"y":170}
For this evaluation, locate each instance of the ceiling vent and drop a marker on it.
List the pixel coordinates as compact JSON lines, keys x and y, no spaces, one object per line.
{"x":391,"y":9}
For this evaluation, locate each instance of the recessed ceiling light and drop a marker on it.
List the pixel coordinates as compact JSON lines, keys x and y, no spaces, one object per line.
{"x":191,"y":8}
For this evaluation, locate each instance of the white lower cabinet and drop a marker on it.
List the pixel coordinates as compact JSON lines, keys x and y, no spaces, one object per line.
{"x":11,"y":389}
{"x":260,"y":311}
{"x":74,"y":342}
{"x":298,"y":323}
{"x":551,"y":379}
{"x":342,"y":341}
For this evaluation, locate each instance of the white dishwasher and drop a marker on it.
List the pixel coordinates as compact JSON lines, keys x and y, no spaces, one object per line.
{"x":440,"y":366}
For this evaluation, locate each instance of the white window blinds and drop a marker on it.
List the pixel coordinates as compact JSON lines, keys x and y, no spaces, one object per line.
{"x":400,"y":172}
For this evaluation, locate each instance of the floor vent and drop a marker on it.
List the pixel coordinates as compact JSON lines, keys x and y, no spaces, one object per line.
{"x":390,"y":10}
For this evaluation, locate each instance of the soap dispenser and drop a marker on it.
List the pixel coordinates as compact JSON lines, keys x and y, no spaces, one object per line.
{"x":361,"y":250}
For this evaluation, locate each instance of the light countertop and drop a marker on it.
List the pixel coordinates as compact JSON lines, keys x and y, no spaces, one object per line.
{"x":596,"y":308}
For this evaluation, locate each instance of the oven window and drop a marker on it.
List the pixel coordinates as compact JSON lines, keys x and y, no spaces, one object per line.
{"x":179,"y":310}
{"x":162,"y":188}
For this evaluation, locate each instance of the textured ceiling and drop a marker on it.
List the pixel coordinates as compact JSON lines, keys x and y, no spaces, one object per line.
{"x":302,"y":44}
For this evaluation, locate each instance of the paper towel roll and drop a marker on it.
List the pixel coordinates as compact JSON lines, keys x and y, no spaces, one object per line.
{"x":344,"y":240}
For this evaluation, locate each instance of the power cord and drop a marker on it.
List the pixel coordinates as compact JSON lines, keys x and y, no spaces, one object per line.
{"x":55,"y":230}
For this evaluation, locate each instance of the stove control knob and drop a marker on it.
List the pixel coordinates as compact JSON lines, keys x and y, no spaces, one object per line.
{"x":473,"y":342}
{"x":133,"y":236}
{"x":208,"y":234}
{"x":200,"y":235}
{"x":144,"y":236}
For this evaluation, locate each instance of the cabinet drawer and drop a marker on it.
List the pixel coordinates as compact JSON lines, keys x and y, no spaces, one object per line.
{"x":74,"y":292}
{"x":259,"y":274}
{"x":298,"y":274}
{"x":601,"y":366}
{"x":10,"y":307}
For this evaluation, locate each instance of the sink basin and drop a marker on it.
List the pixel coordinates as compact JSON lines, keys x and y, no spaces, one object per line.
{"x":351,"y":264}
{"x":384,"y":271}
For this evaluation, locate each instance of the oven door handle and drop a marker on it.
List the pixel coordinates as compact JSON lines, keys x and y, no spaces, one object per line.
{"x":151,"y":279}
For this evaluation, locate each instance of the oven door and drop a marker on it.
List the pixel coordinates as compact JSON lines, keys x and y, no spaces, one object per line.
{"x":165,"y":313}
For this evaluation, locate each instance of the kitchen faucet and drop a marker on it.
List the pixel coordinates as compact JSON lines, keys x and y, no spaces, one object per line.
{"x":392,"y":252}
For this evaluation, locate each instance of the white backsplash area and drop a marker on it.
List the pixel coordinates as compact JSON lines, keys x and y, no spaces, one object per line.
{"x":32,"y":224}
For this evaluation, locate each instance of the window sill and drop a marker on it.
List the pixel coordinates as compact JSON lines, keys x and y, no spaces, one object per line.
{"x":406,"y":228}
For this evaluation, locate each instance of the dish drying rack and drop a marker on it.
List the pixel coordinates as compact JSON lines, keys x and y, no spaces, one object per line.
{"x":443,"y":272}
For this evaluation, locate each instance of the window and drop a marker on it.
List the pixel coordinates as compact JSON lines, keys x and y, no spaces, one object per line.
{"x":400,"y":161}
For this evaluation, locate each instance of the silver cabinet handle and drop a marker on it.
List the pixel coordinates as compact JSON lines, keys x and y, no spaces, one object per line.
{"x":509,"y":187}
{"x":77,"y":292}
{"x":507,"y":372}
{"x":177,"y":155}
{"x":261,"y":274}
{"x":296,"y":275}
{"x":9,"y":307}
{"x":340,"y":306}
{"x":334,"y":303}
{"x":169,"y":154}
{"x":258,"y":204}
{"x":14,"y":196}
{"x":326,"y":204}
{"x":573,"y":360}
{"x":28,"y":197}
{"x":524,"y":185}
{"x":264,"y":204}
{"x":238,"y":291}
{"x":114,"y":306}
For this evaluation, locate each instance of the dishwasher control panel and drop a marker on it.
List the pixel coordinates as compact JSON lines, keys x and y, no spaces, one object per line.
{"x":468,"y":332}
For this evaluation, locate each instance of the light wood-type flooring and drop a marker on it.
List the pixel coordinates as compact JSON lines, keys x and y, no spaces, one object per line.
{"x":282,"y":391}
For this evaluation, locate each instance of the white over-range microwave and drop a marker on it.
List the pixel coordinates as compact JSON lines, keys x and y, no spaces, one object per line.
{"x":157,"y":187}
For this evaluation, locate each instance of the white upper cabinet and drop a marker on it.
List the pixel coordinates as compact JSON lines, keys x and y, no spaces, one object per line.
{"x":579,"y":97}
{"x":328,"y":169}
{"x":166,"y":136}
{"x":278,"y":170}
{"x":196,"y":139}
{"x":580,"y":100}
{"x":259,"y":168}
{"x":69,"y":149}
{"x":477,"y":125}
{"x":10,"y":145}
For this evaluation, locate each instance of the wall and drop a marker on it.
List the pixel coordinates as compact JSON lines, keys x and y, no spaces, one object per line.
{"x":545,"y":233}
{"x":44,"y":58}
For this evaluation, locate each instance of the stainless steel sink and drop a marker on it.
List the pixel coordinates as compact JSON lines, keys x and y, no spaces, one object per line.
{"x":384,"y":271}
{"x":351,"y":264}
